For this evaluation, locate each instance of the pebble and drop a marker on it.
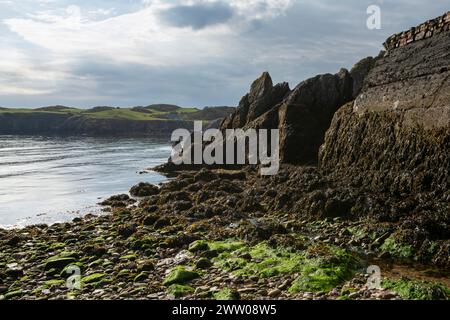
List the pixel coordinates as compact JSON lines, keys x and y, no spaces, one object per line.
{"x":274,"y":293}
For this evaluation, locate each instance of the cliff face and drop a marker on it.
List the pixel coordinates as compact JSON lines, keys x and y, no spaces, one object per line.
{"x":66,"y":124}
{"x":396,"y":134}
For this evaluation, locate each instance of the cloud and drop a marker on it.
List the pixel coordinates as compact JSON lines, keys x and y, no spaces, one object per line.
{"x":189,"y":52}
{"x":198,"y":16}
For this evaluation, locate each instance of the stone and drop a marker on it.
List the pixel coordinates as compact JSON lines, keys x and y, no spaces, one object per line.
{"x":146,"y":266}
{"x":203,"y":263}
{"x":58,"y":263}
{"x":179,"y":291}
{"x":13,"y":241}
{"x":274,"y":293}
{"x":198,"y":246}
{"x":150,"y":219}
{"x":126,"y":230}
{"x":205,"y":175}
{"x":93,"y":278}
{"x":13,"y":294}
{"x":144,"y":190}
{"x":141,"y":277}
{"x":226,"y":294}
{"x":180,"y":275}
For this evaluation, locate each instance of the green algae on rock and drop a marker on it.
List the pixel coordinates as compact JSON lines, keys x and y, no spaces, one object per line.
{"x":58,"y":262}
{"x":180,"y":275}
{"x":93,"y":278}
{"x":226,"y":294}
{"x":321,"y":268}
{"x":396,"y":249}
{"x":417,"y":290}
{"x":325,"y":268}
{"x":179,"y":290}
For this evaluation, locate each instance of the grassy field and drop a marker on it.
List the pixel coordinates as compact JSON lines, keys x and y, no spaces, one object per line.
{"x":156,"y":112}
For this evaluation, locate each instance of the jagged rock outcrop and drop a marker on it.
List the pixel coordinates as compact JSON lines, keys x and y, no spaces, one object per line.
{"x":302,"y":116}
{"x":396,"y":135}
{"x":262,"y":97}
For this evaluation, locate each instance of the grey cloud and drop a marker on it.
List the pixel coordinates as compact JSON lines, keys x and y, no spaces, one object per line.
{"x":198,"y":16}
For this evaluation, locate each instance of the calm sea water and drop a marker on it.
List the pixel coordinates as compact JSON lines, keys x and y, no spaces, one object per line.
{"x":48,"y":180}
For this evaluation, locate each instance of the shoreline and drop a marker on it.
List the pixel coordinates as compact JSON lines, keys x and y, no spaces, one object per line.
{"x":205,"y":235}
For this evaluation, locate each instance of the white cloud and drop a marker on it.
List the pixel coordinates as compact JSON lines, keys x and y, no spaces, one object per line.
{"x":135,"y":52}
{"x":68,"y":36}
{"x":138,"y":37}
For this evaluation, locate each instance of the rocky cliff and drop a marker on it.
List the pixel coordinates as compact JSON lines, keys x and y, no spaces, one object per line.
{"x":302,"y":115}
{"x":397,"y":131}
{"x":154,"y":120}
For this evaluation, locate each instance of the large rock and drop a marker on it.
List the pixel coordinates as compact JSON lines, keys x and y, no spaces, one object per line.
{"x":305,"y":114}
{"x":396,"y":135}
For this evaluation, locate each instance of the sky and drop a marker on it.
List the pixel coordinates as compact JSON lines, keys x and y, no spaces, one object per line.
{"x":193,"y":53}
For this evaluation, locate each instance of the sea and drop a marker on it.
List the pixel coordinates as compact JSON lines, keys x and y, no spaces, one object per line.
{"x":47,"y":180}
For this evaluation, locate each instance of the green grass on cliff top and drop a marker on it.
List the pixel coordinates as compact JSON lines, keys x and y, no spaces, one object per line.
{"x":145,"y":113}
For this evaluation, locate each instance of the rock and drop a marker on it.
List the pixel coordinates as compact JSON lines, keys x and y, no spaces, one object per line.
{"x":13,"y":241}
{"x":146,"y":266}
{"x":205,"y":175}
{"x":285,"y":284}
{"x":359,"y":73}
{"x":179,"y":291}
{"x":13,"y":294}
{"x":210,"y":254}
{"x":126,"y":230}
{"x":161,"y":223}
{"x":274,"y":293}
{"x":261,"y":98}
{"x":198,"y":246}
{"x":121,"y":200}
{"x":58,"y":263}
{"x":150,"y":219}
{"x":180,"y":275}
{"x":95,"y":250}
{"x":93,"y":278}
{"x":141,"y":277}
{"x":203,"y":263}
{"x":397,"y":130}
{"x":144,"y":190}
{"x":354,"y":295}
{"x":14,"y":273}
{"x":384,"y":255}
{"x":302,"y":115}
{"x":226,"y":294}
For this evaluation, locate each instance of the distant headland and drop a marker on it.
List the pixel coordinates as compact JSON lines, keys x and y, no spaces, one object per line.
{"x":153,"y":120}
